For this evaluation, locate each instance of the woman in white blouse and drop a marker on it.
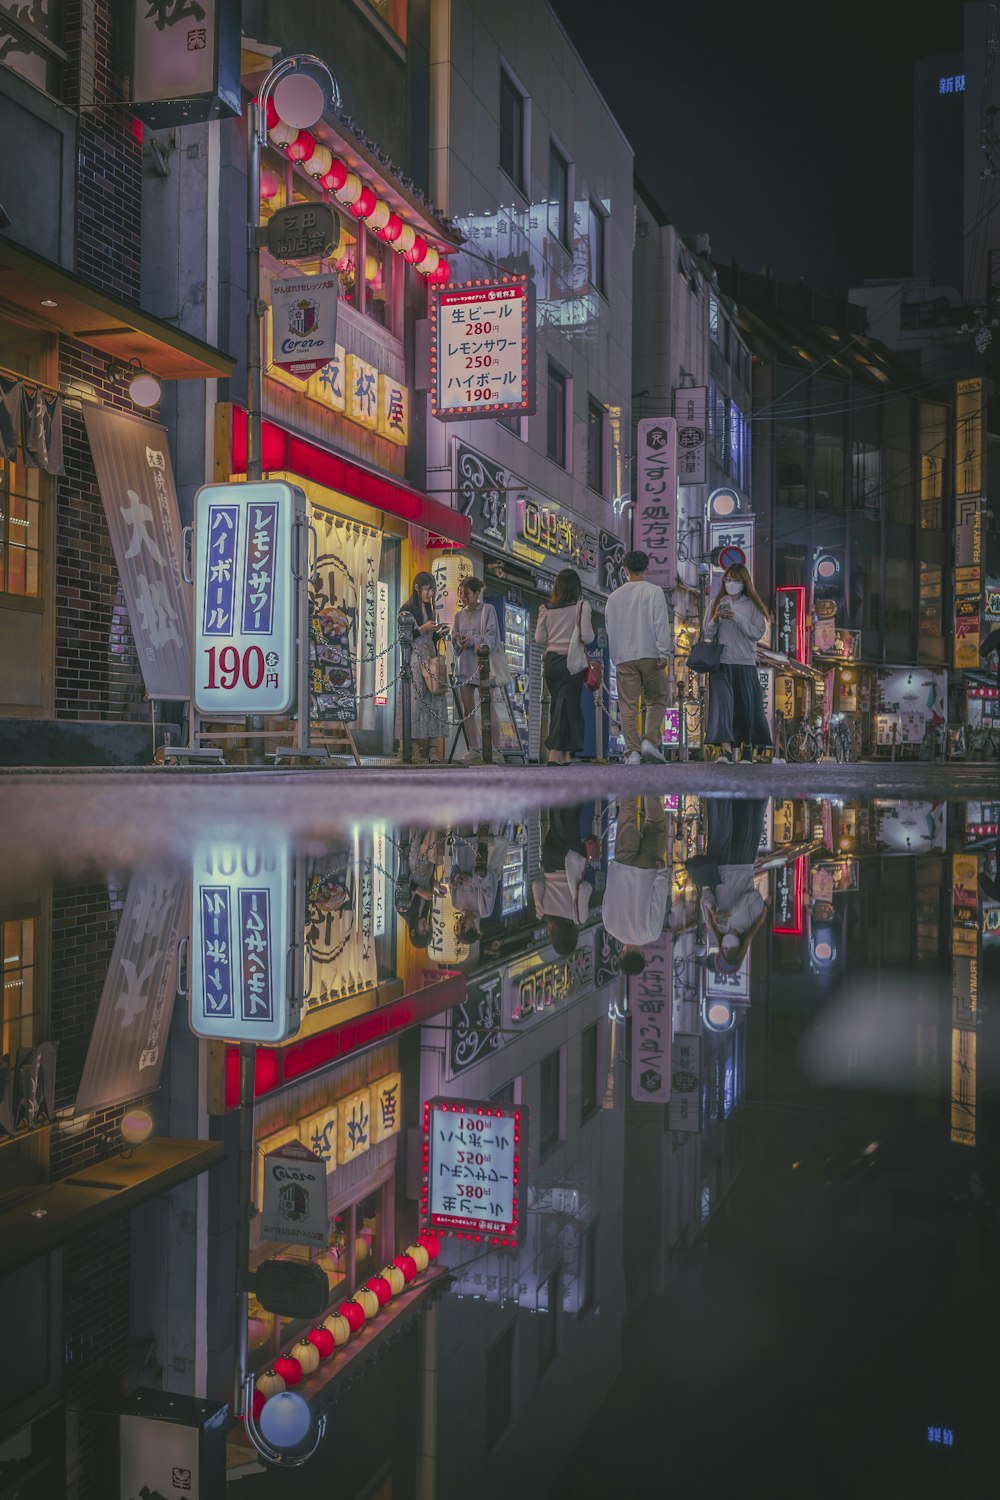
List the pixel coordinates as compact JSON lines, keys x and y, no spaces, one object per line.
{"x":557,"y":620}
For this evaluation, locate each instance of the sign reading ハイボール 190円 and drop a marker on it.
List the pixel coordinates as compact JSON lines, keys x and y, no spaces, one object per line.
{"x":472,"y":1168}
{"x":246,"y":597}
{"x":483,"y":349}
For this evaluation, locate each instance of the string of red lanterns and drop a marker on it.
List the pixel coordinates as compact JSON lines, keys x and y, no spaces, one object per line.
{"x":322,"y":1342}
{"x":358,"y":197}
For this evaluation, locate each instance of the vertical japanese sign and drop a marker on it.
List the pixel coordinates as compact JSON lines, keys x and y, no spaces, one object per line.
{"x":185,"y":60}
{"x":655,"y":521}
{"x":129,"y":1041}
{"x":240,"y":935}
{"x":482,"y":349}
{"x":964,"y":996}
{"x":472,"y":1170}
{"x":136,"y":480}
{"x":651,"y":1003}
{"x":246,"y":599}
{"x":690,"y":411}
{"x":790,"y":607}
{"x":304,"y":324}
{"x":684,"y":1110}
{"x":968,"y":578}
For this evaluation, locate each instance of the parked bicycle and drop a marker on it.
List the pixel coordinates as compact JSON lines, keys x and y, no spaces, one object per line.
{"x":805,"y":742}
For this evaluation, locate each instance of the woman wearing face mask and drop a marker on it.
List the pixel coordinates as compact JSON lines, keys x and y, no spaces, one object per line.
{"x":738,"y":618}
{"x":731,"y":905}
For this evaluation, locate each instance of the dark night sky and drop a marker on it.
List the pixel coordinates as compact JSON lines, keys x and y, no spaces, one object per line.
{"x":783,"y":128}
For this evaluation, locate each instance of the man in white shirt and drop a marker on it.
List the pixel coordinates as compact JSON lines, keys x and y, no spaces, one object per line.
{"x":638,"y":629}
{"x":638,"y":889}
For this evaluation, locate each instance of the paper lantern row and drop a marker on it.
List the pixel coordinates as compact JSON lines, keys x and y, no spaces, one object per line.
{"x":323,"y":1341}
{"x":359,"y":198}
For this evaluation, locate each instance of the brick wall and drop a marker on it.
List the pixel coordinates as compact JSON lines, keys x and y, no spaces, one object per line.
{"x":96,"y":1333}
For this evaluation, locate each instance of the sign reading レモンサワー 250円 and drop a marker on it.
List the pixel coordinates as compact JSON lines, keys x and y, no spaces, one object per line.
{"x":655,"y":524}
{"x":483,"y":349}
{"x":472,"y":1168}
{"x":247,"y":537}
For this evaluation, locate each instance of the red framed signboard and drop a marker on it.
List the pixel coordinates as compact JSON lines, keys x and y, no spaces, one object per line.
{"x":472,"y":1170}
{"x":483,"y":349}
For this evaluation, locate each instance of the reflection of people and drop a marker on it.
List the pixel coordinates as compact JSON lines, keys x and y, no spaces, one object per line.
{"x":422,"y":870}
{"x":738,"y":618}
{"x":731,"y":904}
{"x":638,"y":890}
{"x":638,"y":629}
{"x":556,"y":622}
{"x":475,"y":878}
{"x":475,"y":624}
{"x":561,"y":893}
{"x":425,"y":719}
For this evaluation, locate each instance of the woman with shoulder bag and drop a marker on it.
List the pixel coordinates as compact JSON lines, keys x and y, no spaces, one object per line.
{"x":564,"y":628}
{"x":475,"y":624}
{"x":427,"y":671}
{"x":737,"y":618}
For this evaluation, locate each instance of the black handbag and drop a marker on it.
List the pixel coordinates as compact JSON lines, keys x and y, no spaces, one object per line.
{"x":706,"y":656}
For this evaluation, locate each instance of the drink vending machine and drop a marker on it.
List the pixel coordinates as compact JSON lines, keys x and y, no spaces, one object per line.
{"x":515,"y":628}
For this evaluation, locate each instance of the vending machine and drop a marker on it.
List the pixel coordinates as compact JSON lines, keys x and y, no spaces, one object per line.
{"x":515,"y":628}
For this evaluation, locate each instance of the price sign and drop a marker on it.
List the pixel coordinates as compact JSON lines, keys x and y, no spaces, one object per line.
{"x":482,"y":352}
{"x":245,"y":597}
{"x":471,"y":1169}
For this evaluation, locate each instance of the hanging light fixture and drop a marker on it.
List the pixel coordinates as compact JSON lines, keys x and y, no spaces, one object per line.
{"x":335,"y":177}
{"x":320,"y":162}
{"x":142,"y":388}
{"x":302,"y":147}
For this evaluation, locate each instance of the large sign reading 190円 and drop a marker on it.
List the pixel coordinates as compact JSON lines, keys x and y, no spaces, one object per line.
{"x":483,"y":349}
{"x":472,"y":1169}
{"x":247,"y":538}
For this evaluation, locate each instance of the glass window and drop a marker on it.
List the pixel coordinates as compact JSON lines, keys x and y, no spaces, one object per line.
{"x":713,"y":319}
{"x":930,"y":599}
{"x":547,"y":1321}
{"x":551,"y":1074}
{"x":899,"y":595}
{"x":595,"y":446}
{"x":590,"y":1100}
{"x":790,"y":456}
{"x":558,"y":194}
{"x":29,"y":38}
{"x":898,"y":474}
{"x":828,"y":473}
{"x":20,"y":531}
{"x":866,"y":477}
{"x":587,"y":1270}
{"x":557,"y":416}
{"x":511,"y":130}
{"x":499,"y":1387}
{"x":17,"y":1002}
{"x":595,"y":236}
{"x":867,"y":587}
{"x":393,"y":13}
{"x":380,"y":268}
{"x":933,"y":454}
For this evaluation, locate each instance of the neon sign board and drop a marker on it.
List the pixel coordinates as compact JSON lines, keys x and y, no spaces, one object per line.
{"x":472,"y":1170}
{"x":482,"y":349}
{"x":790,"y":601}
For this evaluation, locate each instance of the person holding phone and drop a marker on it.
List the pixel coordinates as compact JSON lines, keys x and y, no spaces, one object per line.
{"x":737,"y":618}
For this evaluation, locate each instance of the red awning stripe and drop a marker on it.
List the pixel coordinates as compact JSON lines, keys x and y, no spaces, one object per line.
{"x":285,"y":452}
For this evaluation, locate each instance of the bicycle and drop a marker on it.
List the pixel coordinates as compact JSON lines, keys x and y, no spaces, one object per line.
{"x":802,"y":743}
{"x":983,"y":744}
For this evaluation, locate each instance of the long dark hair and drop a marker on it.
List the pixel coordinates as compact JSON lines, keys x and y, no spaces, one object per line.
{"x":566,"y":589}
{"x":421,"y":611}
{"x":739,"y":573}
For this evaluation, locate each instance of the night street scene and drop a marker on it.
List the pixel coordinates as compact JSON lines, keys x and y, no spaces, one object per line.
{"x":499,"y":750}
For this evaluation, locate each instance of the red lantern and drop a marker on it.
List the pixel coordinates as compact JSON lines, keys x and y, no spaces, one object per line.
{"x":288,"y":1367}
{"x":441,"y":274}
{"x":430,"y":1242}
{"x":365,"y":204}
{"x":407,"y":1265}
{"x":354,"y":1315}
{"x":302,"y":147}
{"x":381,"y":1288}
{"x":417,"y":250}
{"x":271,"y":116}
{"x":258,"y":1404}
{"x":335,"y":178}
{"x":393,"y":229}
{"x":322,"y":1340}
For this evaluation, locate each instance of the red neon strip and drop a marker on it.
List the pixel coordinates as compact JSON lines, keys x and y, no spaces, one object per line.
{"x":798,"y":897}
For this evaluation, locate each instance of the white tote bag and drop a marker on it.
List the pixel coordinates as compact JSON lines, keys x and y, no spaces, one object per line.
{"x":576,"y":657}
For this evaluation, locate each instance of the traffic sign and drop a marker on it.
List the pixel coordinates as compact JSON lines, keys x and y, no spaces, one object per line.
{"x":730,"y":556}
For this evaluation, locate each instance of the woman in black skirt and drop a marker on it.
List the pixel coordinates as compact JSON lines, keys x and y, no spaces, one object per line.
{"x":556,"y":622}
{"x":738,"y":618}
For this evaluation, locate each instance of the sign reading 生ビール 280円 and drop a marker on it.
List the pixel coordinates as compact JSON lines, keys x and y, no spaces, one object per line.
{"x":483,"y":349}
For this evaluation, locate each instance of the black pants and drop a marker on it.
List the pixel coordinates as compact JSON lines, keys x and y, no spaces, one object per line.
{"x":565,"y":714}
{"x":736,"y":708}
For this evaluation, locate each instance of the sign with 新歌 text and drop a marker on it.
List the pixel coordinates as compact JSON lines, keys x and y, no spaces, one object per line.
{"x":471,"y":1169}
{"x":482,"y":349}
{"x":245,"y":597}
{"x":655,"y":519}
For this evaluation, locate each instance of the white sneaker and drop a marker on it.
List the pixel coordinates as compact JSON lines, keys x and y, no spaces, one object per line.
{"x":650,"y":752}
{"x":633,"y":758}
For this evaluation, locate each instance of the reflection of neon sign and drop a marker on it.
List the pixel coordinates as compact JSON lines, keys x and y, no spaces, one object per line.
{"x":790,"y":898}
{"x":791,"y":607}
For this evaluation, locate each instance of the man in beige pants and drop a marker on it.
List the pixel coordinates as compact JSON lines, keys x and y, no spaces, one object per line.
{"x":638,"y":629}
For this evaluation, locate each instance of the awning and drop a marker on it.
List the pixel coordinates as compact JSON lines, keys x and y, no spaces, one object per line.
{"x":284,"y":452}
{"x":787,"y":666}
{"x":107,"y":323}
{"x":48,"y":1217}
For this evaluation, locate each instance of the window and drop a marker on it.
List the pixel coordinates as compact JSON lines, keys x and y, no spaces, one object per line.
{"x":713,"y":319}
{"x":557,"y":416}
{"x":29,"y":36}
{"x":393,"y":13}
{"x":595,"y":445}
{"x":587,"y":1269}
{"x":791,"y":465}
{"x":828,"y":460}
{"x":595,"y":236}
{"x":590,"y":1100}
{"x":499,"y":1387}
{"x":866,"y":477}
{"x":17,"y":1002}
{"x":547,"y":1307}
{"x":899,"y":595}
{"x":933,"y":451}
{"x":511,"y":130}
{"x":930,"y":599}
{"x":558,"y":194}
{"x":20,"y":531}
{"x":551,"y":1079}
{"x":505,"y":1094}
